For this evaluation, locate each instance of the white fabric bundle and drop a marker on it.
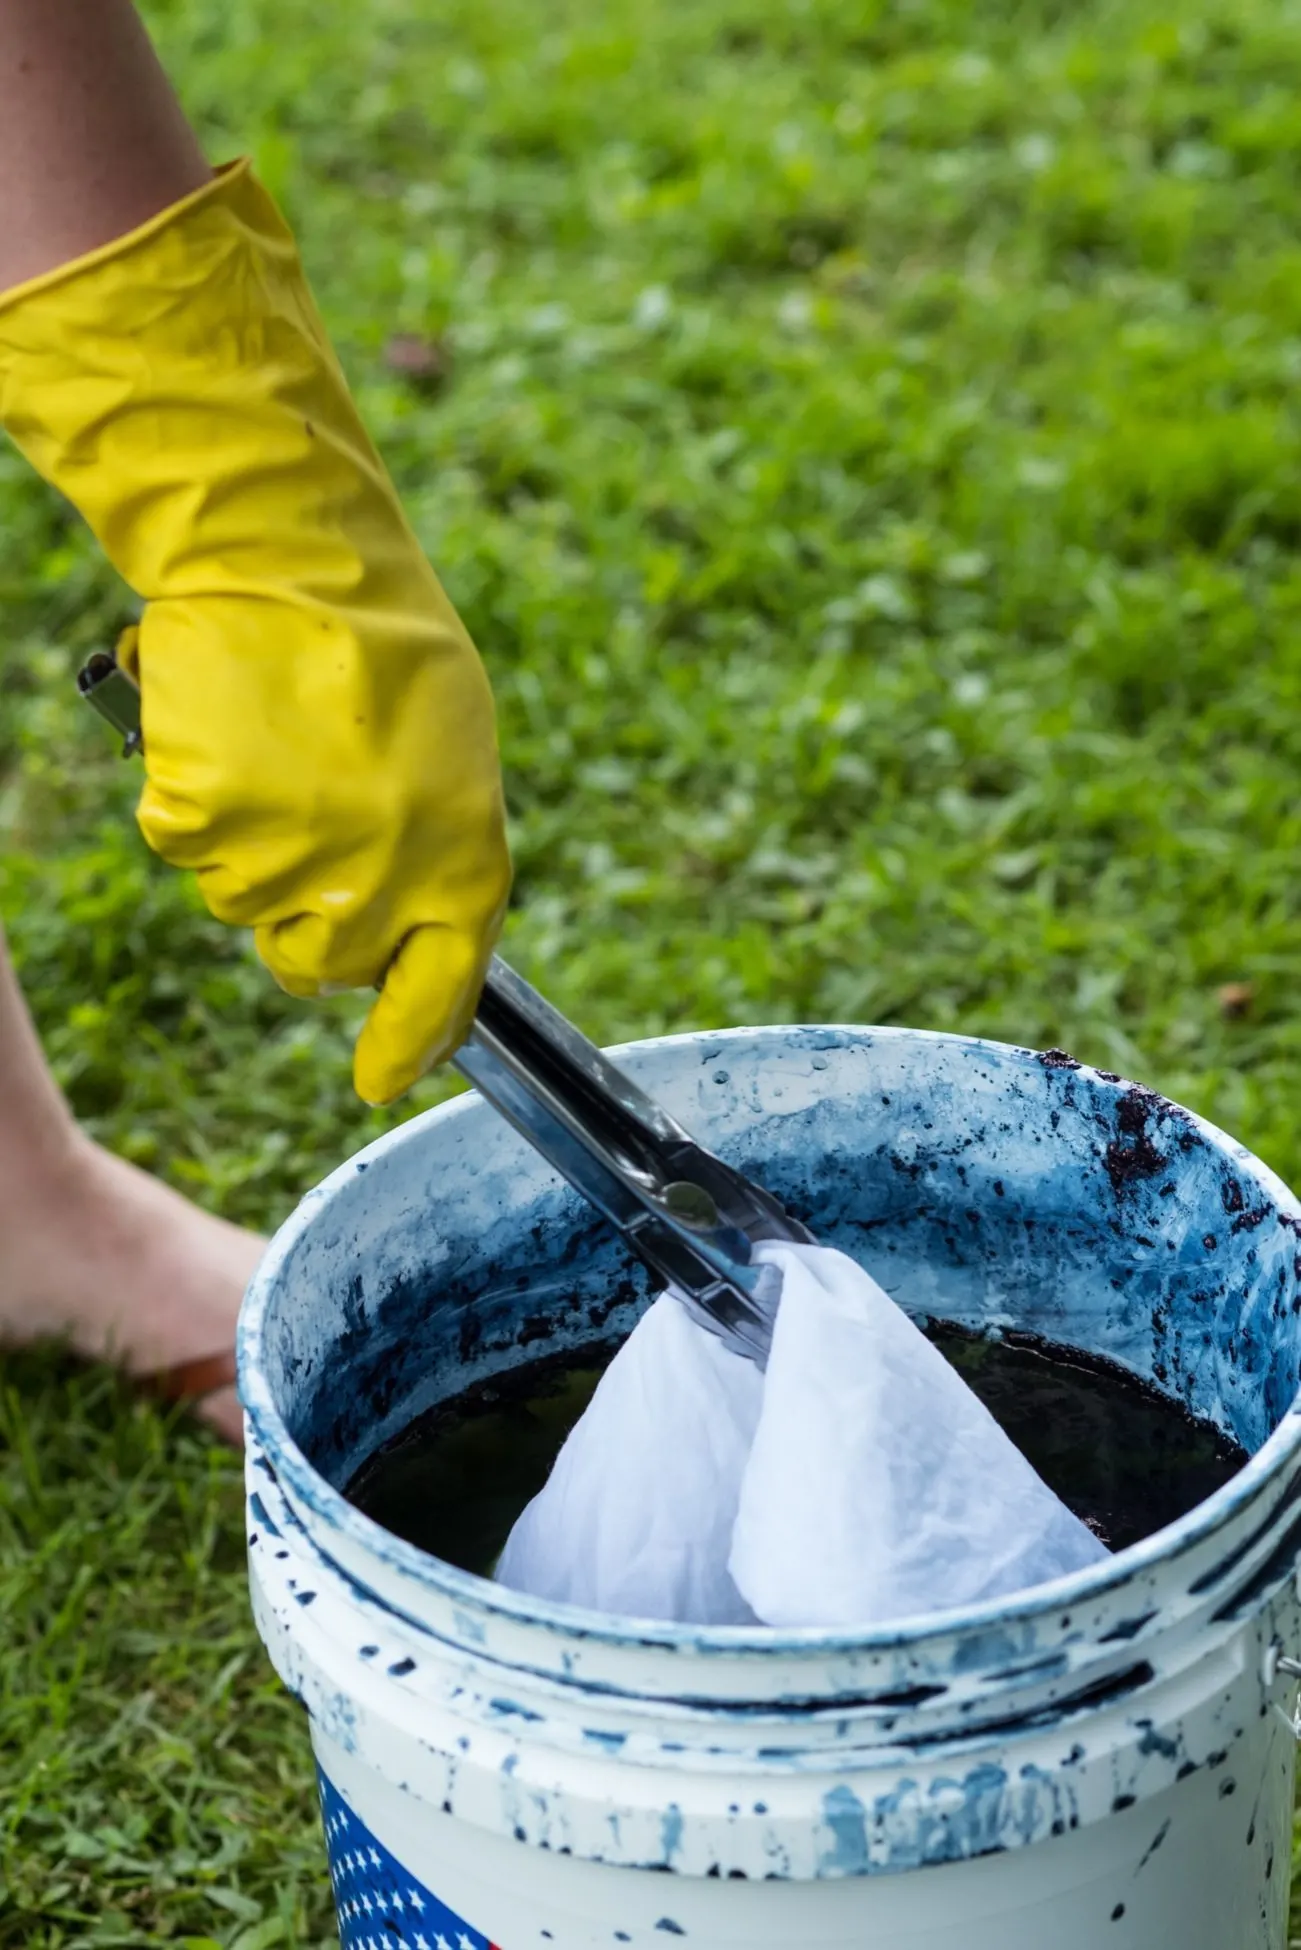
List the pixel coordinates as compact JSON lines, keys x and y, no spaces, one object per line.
{"x":859,"y":1480}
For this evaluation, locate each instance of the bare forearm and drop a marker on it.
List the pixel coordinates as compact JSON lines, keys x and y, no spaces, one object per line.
{"x":92,"y":139}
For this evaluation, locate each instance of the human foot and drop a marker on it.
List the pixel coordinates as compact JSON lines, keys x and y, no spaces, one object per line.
{"x":95,"y":1251}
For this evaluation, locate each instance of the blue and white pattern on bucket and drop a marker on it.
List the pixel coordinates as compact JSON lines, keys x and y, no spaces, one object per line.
{"x":380,"y":1906}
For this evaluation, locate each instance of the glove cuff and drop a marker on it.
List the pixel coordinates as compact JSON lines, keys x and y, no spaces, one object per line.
{"x":179,"y":388}
{"x":217,"y":190}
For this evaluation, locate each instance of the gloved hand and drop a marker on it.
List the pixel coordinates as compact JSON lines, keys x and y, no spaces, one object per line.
{"x":319,"y":735}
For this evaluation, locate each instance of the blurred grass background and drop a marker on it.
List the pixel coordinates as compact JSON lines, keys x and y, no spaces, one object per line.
{"x":864,"y":442}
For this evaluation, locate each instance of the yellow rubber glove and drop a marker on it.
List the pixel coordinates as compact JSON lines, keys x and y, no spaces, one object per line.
{"x":319,"y":735}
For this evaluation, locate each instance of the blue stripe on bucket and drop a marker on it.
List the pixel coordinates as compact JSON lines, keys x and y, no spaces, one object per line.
{"x":380,"y":1905}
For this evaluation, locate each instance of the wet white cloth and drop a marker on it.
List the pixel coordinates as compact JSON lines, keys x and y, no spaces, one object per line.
{"x":858,"y":1480}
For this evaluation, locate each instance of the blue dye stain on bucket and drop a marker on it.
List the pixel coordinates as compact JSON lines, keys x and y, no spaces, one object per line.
{"x":1109,"y":1759}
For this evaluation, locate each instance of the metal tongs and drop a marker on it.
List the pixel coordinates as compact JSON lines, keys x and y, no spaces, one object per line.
{"x":688,"y":1216}
{"x":693,"y":1220}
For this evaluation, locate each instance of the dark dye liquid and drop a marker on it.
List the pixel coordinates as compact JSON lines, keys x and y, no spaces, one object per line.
{"x":1120,"y":1455}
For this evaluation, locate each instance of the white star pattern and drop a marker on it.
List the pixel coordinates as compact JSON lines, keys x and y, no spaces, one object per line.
{"x":370,"y":1887}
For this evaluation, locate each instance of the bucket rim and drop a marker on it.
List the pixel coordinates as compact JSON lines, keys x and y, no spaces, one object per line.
{"x":467,"y":1590}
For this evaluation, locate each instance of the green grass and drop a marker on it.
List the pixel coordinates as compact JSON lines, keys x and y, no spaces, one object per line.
{"x":869,"y":461}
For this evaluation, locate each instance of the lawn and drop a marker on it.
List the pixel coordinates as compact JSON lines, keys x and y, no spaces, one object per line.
{"x":864,"y":441}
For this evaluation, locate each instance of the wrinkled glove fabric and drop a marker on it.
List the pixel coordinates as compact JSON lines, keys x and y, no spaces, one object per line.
{"x":319,"y":734}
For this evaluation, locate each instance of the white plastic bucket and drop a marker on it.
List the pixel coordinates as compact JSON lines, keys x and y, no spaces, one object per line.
{"x":1106,"y":1764}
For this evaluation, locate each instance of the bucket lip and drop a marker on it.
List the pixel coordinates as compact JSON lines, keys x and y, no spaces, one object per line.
{"x":466,"y":1589}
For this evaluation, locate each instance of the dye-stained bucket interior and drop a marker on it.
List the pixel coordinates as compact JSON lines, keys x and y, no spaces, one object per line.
{"x":988,"y":1186}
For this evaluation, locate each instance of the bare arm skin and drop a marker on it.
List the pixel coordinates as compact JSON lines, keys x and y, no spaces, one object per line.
{"x":93,"y":141}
